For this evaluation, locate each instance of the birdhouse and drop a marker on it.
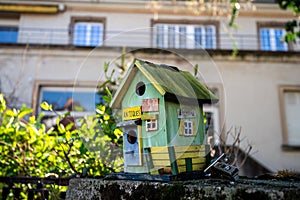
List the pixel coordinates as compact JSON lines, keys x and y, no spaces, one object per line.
{"x":162,"y":119}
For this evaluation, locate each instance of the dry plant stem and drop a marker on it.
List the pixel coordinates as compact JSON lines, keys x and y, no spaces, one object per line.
{"x":234,"y":150}
{"x":66,"y":154}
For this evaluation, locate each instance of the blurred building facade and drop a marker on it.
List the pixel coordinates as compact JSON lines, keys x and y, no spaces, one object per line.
{"x":48,"y":48}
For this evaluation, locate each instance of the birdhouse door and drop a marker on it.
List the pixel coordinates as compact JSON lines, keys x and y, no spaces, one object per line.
{"x":132,"y":146}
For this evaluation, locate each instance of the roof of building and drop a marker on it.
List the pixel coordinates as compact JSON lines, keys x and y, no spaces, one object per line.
{"x":169,"y":81}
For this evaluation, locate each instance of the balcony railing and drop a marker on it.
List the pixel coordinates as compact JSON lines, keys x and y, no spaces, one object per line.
{"x":140,"y":38}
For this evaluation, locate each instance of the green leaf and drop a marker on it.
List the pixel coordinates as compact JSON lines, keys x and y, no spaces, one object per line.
{"x":67,"y":114}
{"x":106,"y":64}
{"x":11,"y":113}
{"x":79,"y":108}
{"x":70,"y":126}
{"x":44,"y":105}
{"x":104,"y":84}
{"x":82,"y":149}
{"x":108,"y":91}
{"x":196,"y":70}
{"x":107,"y":99}
{"x":112,"y":72}
{"x":24,"y":111}
{"x":2,"y":103}
{"x":61,"y":128}
{"x":68,"y":135}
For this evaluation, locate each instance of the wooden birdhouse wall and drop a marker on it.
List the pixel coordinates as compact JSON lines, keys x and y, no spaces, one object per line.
{"x":146,"y":138}
{"x":184,"y":124}
{"x":160,"y":135}
{"x":131,"y":99}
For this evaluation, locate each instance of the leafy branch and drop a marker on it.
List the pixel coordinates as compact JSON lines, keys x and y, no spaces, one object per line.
{"x":292,"y":27}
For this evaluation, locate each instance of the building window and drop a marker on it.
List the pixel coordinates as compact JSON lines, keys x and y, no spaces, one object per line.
{"x":290,"y":113}
{"x":151,"y":125}
{"x":192,"y":35}
{"x":79,"y":101}
{"x":214,"y":117}
{"x":271,"y":36}
{"x":9,"y":34}
{"x":188,"y":128}
{"x":87,"y":31}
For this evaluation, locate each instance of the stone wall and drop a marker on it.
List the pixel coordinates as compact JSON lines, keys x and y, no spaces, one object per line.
{"x":198,"y":189}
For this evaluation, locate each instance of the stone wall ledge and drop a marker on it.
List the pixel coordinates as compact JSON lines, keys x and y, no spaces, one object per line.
{"x":88,"y":189}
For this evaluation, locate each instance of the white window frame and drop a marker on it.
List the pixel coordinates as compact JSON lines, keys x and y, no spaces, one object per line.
{"x":188,"y":127}
{"x":288,"y":108}
{"x":151,"y":125}
{"x":183,"y":39}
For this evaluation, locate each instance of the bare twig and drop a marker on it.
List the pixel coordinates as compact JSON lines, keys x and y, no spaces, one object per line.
{"x":234,"y":150}
{"x":66,"y":154}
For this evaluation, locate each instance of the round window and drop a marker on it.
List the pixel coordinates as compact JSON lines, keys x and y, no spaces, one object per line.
{"x":131,"y":137}
{"x":140,"y":88}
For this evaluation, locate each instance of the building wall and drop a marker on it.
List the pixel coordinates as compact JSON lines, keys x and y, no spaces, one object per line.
{"x":252,"y":102}
{"x":130,"y":24}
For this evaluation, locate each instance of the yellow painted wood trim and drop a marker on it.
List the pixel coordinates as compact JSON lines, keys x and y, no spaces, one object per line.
{"x":154,"y":172}
{"x":182,"y":149}
{"x":190,"y":155}
{"x":139,"y":129}
{"x":194,"y":167}
{"x":160,"y":149}
{"x":181,"y":128}
{"x":148,"y":116}
{"x":161,"y":163}
{"x":160,"y":156}
{"x":194,"y":161}
{"x":198,"y":160}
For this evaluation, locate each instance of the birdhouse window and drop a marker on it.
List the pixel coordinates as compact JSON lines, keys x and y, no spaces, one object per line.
{"x":140,"y":88}
{"x":188,"y":128}
{"x":151,"y":125}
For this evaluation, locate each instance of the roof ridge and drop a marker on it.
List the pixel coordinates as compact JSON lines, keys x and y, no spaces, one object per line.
{"x":165,"y":66}
{"x":170,"y":67}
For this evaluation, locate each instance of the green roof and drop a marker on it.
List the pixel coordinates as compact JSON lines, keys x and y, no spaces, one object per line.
{"x":169,"y":81}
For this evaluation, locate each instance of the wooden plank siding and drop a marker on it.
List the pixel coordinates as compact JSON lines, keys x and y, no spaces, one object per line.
{"x":160,"y":157}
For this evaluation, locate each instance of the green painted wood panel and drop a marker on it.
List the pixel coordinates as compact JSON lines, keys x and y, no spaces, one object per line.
{"x":149,"y":138}
{"x":131,"y":99}
{"x":173,"y":134}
